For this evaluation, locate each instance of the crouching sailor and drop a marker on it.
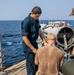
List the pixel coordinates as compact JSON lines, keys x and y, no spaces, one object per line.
{"x":49,"y":58}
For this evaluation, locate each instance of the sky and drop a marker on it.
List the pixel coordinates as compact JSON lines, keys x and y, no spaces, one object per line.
{"x":51,"y":9}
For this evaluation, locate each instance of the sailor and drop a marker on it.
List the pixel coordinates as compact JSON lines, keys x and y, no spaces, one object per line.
{"x":30,"y":30}
{"x":49,"y":58}
{"x":72,"y":14}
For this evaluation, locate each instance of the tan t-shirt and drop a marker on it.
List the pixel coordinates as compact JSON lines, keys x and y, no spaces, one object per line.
{"x":50,"y":59}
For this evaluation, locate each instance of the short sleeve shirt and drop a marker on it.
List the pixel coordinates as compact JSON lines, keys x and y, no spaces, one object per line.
{"x":30,"y":28}
{"x":48,"y":58}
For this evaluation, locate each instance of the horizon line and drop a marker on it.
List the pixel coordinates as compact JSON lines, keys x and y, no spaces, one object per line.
{"x":40,"y":19}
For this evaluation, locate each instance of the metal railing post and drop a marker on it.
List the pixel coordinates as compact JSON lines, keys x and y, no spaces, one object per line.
{"x":0,"y":55}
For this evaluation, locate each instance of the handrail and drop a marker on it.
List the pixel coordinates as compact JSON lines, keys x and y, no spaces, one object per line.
{"x":3,"y":69}
{"x":6,"y":55}
{"x":10,"y":35}
{"x":1,"y":66}
{"x":12,"y":56}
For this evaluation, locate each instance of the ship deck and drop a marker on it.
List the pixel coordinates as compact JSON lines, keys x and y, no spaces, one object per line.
{"x":16,"y":69}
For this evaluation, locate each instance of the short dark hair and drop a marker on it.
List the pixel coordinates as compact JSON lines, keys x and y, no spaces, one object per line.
{"x":36,"y":10}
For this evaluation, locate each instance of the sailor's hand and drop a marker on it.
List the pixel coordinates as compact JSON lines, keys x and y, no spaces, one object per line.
{"x":34,"y":51}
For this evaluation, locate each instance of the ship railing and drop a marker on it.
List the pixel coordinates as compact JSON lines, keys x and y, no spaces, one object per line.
{"x":3,"y":55}
{"x":1,"y":67}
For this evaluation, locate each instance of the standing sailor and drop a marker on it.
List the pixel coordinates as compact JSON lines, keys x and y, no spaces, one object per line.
{"x":30,"y":31}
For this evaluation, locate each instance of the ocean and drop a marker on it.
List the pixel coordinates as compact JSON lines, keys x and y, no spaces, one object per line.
{"x":12,"y":40}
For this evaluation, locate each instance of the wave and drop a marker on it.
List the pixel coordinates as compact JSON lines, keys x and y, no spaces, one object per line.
{"x":10,"y":43}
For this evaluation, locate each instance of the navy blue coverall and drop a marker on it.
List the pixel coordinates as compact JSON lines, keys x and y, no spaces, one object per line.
{"x":30,"y":28}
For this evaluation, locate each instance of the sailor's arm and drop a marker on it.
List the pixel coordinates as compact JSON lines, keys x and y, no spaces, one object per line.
{"x":73,"y":51}
{"x":42,"y":36}
{"x":61,"y":61}
{"x":28,"y":43}
{"x":25,"y":32}
{"x":36,"y":58}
